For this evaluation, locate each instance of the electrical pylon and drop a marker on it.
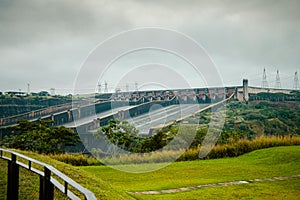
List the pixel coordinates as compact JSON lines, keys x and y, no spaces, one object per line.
{"x":127,"y":87}
{"x":28,"y":88}
{"x":136,"y":86}
{"x":277,"y":83}
{"x":296,"y":81}
{"x":52,"y":91}
{"x":264,"y":83}
{"x":106,"y":88}
{"x":99,"y":88}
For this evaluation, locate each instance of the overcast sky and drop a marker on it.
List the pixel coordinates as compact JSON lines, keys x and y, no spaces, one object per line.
{"x":44,"y":43}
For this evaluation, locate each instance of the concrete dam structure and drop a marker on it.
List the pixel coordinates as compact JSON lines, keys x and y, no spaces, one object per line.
{"x":89,"y":116}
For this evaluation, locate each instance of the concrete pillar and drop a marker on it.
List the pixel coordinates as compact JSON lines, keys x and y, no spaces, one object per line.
{"x":235,"y":94}
{"x":121,"y":114}
{"x":245,"y":90}
{"x":69,"y":116}
{"x":95,"y":123}
{"x":78,"y":110}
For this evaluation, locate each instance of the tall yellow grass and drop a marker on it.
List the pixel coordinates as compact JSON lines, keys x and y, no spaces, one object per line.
{"x":219,"y":151}
{"x":76,"y":159}
{"x":241,"y":147}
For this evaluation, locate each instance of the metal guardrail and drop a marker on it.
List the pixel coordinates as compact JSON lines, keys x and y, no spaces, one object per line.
{"x":47,"y":182}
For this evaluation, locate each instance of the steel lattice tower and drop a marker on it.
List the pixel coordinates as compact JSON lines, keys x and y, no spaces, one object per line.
{"x":264,"y":83}
{"x":296,"y":81}
{"x":106,"y":88}
{"x":136,"y":86}
{"x":52,"y":91}
{"x":277,"y":83}
{"x":28,"y":88}
{"x":127,"y":87}
{"x":99,"y":88}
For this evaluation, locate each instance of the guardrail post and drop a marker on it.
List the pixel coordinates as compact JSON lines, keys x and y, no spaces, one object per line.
{"x":46,"y":187}
{"x":13,"y":178}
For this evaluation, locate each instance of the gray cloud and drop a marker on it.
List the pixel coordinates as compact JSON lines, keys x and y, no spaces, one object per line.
{"x":45,"y":42}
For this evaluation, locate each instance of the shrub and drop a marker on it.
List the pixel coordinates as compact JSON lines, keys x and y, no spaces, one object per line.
{"x":76,"y":159}
{"x":241,"y":147}
{"x":219,"y":151}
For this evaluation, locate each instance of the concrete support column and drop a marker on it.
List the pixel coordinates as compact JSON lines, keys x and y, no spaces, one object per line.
{"x":78,"y":110}
{"x":245,"y":90}
{"x":69,"y":116}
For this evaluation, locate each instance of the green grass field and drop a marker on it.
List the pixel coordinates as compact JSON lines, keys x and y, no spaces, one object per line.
{"x":108,"y":183}
{"x":288,"y":189}
{"x":279,"y":161}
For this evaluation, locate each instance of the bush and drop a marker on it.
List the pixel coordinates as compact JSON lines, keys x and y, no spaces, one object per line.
{"x":219,"y":151}
{"x":40,"y":137}
{"x":76,"y":159}
{"x":241,"y":147}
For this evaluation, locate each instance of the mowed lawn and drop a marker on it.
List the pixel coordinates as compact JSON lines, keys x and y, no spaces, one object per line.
{"x":265,"y":163}
{"x":107,"y":183}
{"x":287,"y":189}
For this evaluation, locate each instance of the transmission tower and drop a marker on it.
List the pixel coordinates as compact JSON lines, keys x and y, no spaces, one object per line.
{"x":52,"y":91}
{"x":28,"y":88}
{"x":264,"y":83}
{"x":277,"y":83}
{"x":106,"y":88}
{"x":136,"y":86}
{"x":127,"y":87}
{"x":296,"y":81}
{"x":99,"y":88}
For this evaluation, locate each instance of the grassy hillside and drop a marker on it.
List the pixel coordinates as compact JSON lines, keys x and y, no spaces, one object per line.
{"x":279,"y":161}
{"x":108,"y":183}
{"x":255,"y":119}
{"x":101,"y":189}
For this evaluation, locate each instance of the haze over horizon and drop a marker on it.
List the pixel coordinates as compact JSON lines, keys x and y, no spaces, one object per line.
{"x":45,"y":43}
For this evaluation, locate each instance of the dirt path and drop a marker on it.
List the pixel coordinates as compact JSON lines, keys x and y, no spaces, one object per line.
{"x":215,"y":185}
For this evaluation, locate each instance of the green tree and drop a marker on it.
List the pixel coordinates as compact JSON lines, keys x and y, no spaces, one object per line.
{"x":40,"y":137}
{"x":120,"y":133}
{"x":157,"y":141}
{"x":125,"y":135}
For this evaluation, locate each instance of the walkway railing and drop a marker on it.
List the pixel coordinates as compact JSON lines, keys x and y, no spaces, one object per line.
{"x":47,"y":181}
